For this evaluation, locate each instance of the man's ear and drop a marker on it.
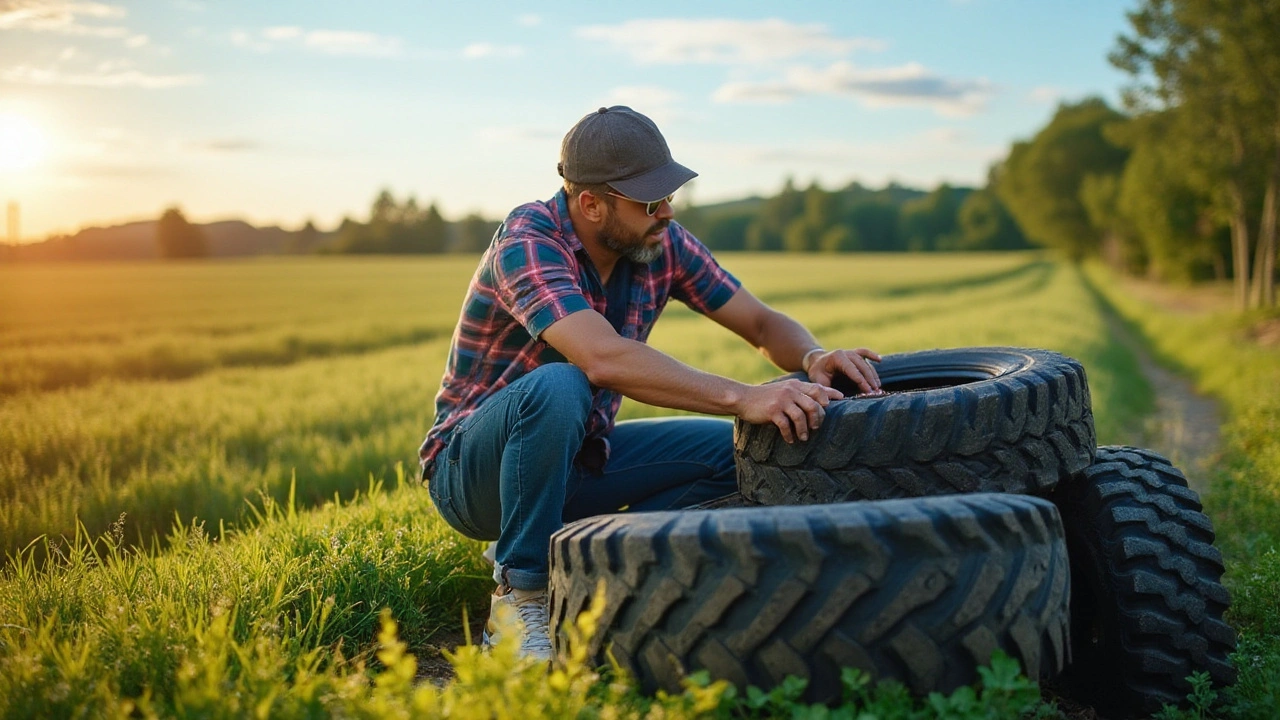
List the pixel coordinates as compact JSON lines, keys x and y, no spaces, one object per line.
{"x":591,"y":205}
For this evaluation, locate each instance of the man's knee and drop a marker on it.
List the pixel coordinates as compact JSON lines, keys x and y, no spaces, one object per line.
{"x":558,"y":390}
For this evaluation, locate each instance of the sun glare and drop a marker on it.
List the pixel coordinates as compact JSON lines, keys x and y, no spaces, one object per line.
{"x":21,"y":143}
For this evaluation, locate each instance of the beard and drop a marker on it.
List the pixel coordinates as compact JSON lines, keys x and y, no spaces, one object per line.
{"x":631,"y":245}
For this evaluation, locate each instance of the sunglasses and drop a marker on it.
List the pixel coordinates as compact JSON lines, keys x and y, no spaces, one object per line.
{"x":649,"y":207}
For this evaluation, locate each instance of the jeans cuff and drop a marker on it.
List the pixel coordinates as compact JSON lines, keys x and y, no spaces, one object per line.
{"x":520,"y":579}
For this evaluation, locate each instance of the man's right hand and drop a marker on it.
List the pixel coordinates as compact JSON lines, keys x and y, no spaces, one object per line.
{"x":795,"y":407}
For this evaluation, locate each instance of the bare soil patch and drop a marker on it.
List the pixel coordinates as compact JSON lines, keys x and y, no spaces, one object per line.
{"x":1186,"y":425}
{"x":433,"y":666}
{"x":1266,"y":333}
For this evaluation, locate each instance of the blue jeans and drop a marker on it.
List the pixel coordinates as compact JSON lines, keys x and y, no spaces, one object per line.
{"x":509,"y":472}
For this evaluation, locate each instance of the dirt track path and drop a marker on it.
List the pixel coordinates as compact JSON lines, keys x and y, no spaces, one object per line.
{"x":1185,"y":426}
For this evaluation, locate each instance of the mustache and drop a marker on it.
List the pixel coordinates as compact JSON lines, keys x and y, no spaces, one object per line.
{"x":660,"y":225}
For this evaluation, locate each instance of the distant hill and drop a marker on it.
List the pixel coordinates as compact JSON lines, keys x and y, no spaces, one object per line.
{"x":137,"y":241}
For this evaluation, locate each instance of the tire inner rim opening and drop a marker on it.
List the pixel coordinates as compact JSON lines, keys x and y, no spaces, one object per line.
{"x":916,"y":379}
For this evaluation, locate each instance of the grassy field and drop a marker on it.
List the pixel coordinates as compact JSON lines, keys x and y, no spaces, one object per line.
{"x":219,"y":393}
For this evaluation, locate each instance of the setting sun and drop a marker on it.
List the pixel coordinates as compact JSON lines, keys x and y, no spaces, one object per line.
{"x":22,"y":144}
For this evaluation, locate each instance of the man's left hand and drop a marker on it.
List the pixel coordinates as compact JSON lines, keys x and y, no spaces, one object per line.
{"x":853,"y":364}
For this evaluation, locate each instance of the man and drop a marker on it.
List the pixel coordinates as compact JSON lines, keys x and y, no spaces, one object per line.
{"x":552,"y":335}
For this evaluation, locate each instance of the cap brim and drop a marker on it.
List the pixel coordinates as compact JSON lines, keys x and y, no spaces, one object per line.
{"x":655,"y":184}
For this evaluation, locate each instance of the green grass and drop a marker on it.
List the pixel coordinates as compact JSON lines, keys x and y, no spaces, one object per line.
{"x":73,"y":325}
{"x":319,"y":375}
{"x":106,"y":624}
{"x":200,"y":447}
{"x":295,"y":619}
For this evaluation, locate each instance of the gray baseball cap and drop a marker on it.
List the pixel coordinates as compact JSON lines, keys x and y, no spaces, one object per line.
{"x":621,"y":147}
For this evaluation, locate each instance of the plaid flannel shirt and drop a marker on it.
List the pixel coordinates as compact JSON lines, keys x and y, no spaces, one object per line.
{"x":535,"y":272}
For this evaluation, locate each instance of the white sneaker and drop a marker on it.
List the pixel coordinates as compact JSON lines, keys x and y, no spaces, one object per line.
{"x":530,"y":608}
{"x":490,"y":553}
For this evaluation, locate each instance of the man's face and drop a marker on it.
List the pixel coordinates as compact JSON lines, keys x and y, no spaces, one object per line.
{"x":632,"y":234}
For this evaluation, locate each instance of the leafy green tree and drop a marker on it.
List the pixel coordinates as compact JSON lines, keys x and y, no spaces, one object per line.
{"x":983,"y":223}
{"x":1040,"y":180}
{"x":475,"y":233}
{"x":821,"y":208}
{"x":1215,"y":67}
{"x":688,"y":214}
{"x":1165,"y":223}
{"x":726,"y":232}
{"x":929,"y":222}
{"x":303,"y":241}
{"x":395,"y":228}
{"x":1120,"y":246}
{"x":874,"y":225}
{"x":914,"y":221}
{"x":433,"y":230}
{"x":399,"y":231}
{"x":819,"y":213}
{"x":765,"y":233}
{"x":801,"y":235}
{"x":838,"y":238}
{"x":178,"y":238}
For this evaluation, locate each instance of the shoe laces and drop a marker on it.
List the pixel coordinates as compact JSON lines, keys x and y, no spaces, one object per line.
{"x":533,"y":613}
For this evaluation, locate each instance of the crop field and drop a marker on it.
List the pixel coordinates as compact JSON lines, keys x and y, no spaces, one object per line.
{"x":206,"y":469}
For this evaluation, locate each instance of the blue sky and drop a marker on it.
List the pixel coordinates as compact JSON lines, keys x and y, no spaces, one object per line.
{"x":281,"y":111}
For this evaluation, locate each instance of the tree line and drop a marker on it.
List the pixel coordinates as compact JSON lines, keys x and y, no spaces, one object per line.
{"x":858,"y":219}
{"x":851,"y":219}
{"x":1184,"y":184}
{"x":406,"y":227}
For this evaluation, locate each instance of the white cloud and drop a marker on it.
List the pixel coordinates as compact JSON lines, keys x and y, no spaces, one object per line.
{"x":944,"y":135}
{"x":60,"y":17}
{"x":480,"y":50}
{"x":529,"y":20}
{"x":226,"y":145}
{"x":910,"y":84}
{"x":346,"y":42}
{"x":244,"y":39}
{"x":107,"y":75}
{"x":914,"y":158}
{"x":282,"y":33}
{"x":330,"y":42}
{"x":776,"y":91}
{"x":659,"y":103}
{"x":70,"y":18}
{"x":1045,"y":94}
{"x":723,"y":41}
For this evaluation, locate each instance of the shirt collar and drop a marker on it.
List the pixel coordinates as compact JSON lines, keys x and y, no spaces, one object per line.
{"x":560,"y":210}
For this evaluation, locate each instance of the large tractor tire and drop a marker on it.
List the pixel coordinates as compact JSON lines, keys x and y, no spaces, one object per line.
{"x":919,"y":590}
{"x":1147,"y":601}
{"x":989,"y":419}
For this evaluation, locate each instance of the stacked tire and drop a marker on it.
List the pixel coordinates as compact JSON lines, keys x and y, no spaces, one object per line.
{"x":917,"y":590}
{"x":1147,"y":601}
{"x":911,"y":536}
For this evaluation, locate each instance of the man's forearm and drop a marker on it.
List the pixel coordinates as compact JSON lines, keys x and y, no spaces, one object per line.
{"x":785,"y":342}
{"x":645,"y":374}
{"x":655,"y":378}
